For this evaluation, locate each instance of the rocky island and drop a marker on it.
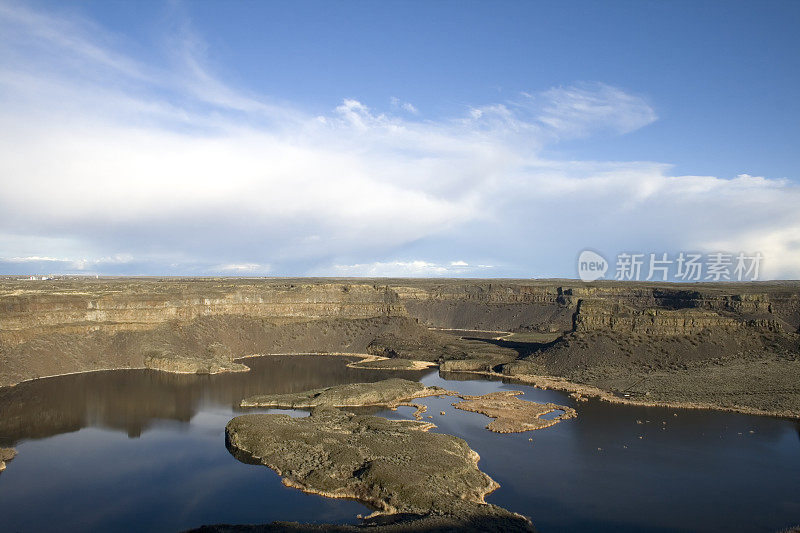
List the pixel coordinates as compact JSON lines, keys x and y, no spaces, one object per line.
{"x":513,"y":415}
{"x":387,"y":393}
{"x":188,"y":364}
{"x":428,"y":481}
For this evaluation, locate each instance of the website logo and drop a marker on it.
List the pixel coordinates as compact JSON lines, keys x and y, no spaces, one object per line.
{"x":591,"y":265}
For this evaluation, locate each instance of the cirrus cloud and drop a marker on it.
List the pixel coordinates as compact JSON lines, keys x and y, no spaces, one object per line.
{"x":104,"y":157}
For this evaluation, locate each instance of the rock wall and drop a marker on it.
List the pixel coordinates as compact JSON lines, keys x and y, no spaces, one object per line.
{"x":503,"y":306}
{"x":779,"y":301}
{"x":553,"y":306}
{"x":28,"y":311}
{"x":613,"y":316}
{"x":54,"y":327}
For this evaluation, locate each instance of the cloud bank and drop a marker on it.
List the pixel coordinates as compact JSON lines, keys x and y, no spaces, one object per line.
{"x":109,"y":164}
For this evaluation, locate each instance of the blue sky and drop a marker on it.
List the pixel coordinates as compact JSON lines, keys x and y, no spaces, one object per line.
{"x":395,"y":138}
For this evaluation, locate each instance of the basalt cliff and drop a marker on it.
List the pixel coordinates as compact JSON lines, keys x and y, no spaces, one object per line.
{"x":727,"y":345}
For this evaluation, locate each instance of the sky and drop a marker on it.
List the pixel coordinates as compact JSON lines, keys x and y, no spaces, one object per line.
{"x":361,"y":138}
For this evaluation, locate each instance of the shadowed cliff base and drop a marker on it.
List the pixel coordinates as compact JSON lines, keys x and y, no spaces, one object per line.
{"x":724,"y":345}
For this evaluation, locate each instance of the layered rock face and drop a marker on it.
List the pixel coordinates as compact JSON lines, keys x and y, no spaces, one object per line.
{"x":28,"y":309}
{"x":614,"y":316}
{"x":551,"y":306}
{"x":31,"y":309}
{"x":202,"y":343}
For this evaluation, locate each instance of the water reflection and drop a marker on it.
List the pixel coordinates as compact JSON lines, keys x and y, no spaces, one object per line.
{"x":130,"y":400}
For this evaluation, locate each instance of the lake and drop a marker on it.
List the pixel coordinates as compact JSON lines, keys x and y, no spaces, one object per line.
{"x":133,"y":450}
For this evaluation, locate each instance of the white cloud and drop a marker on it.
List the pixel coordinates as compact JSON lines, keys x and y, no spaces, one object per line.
{"x":408,"y":269}
{"x":580,"y":110}
{"x":31,"y":259}
{"x":243,"y":267}
{"x":405,"y":106}
{"x":20,"y":265}
{"x":779,"y":246}
{"x":103,"y":157}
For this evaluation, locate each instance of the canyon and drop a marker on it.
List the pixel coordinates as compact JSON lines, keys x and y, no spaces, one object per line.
{"x":723,"y":345}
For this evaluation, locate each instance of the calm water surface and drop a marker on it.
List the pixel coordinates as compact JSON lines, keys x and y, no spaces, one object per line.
{"x":143,"y":450}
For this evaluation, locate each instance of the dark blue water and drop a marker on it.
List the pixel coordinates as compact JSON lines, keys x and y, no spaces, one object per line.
{"x":691,"y":470}
{"x":141,"y":450}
